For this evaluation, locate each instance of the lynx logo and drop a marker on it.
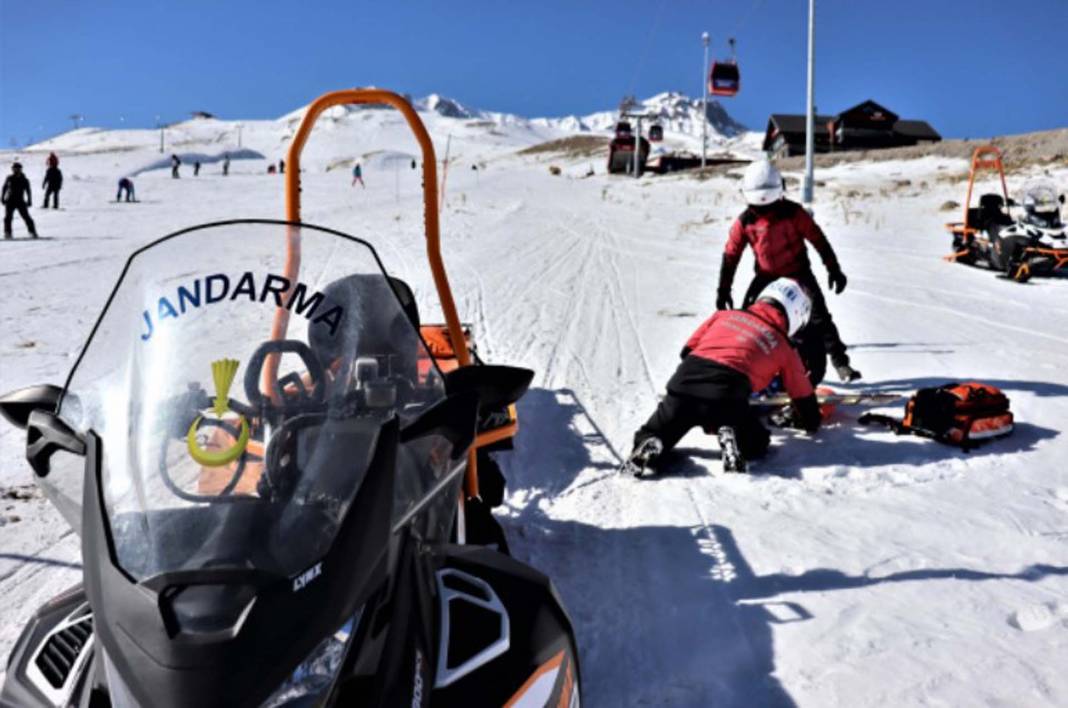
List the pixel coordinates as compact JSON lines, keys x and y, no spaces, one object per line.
{"x":417,"y":684}
{"x":301,"y":581}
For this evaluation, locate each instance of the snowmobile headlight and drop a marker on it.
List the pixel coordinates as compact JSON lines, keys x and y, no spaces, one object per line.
{"x":312,"y":679}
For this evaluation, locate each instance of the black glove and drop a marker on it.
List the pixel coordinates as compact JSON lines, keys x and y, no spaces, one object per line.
{"x":783,"y":417}
{"x":806,"y":414}
{"x":726,"y":280}
{"x":685,"y":352}
{"x":836,"y":280}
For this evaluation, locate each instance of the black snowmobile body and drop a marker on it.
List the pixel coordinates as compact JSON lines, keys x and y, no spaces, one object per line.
{"x":1034,"y":242}
{"x":232,"y":602}
{"x":274,"y":479}
{"x":507,"y":637}
{"x":1018,"y":248}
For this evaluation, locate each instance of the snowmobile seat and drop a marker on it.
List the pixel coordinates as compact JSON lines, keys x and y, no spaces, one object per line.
{"x":371,"y":326}
{"x":407,"y":299}
{"x":990,"y":213}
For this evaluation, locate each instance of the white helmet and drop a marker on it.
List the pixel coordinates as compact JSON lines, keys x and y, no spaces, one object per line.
{"x":794,"y":300}
{"x":761,"y":183}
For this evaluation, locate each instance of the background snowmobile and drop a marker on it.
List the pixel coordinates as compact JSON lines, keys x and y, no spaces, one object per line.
{"x":1033,"y":243}
{"x":621,"y":150}
{"x":269,"y":470}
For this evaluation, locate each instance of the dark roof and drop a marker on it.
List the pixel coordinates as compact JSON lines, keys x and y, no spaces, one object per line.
{"x":919,"y":129}
{"x":790,"y":123}
{"x":875,"y":107}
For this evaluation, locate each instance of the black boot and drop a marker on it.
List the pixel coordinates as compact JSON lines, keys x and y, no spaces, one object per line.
{"x":644,"y":456}
{"x":733,"y":460}
{"x":847,"y":373}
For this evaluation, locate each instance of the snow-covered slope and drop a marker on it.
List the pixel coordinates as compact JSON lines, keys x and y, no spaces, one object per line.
{"x":471,"y":134}
{"x":853,"y":568}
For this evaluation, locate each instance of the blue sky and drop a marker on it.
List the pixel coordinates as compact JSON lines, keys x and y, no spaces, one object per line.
{"x":970,"y":67}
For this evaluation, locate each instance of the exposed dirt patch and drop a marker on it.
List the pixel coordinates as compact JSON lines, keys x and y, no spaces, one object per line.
{"x":21,"y":492}
{"x":1019,"y":151}
{"x":574,"y":146}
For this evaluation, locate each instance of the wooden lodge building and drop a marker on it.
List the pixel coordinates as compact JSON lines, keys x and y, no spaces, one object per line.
{"x":866,"y":126}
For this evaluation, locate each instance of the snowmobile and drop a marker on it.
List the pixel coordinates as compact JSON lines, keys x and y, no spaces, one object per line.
{"x":274,"y":481}
{"x":1033,"y":243}
{"x":621,"y":150}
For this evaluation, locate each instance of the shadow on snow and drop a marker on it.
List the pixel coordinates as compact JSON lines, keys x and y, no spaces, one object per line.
{"x":679,"y":604}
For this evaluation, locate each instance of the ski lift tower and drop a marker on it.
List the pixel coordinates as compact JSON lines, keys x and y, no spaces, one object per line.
{"x":704,"y":101}
{"x":637,"y":118}
{"x":810,"y":110}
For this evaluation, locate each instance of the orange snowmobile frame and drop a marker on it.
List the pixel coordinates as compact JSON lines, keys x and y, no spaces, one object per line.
{"x":985,"y":157}
{"x":454,"y":328}
{"x":988,"y":157}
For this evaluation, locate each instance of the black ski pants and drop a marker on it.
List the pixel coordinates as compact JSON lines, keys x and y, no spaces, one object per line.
{"x":819,"y":322}
{"x":54,"y":193}
{"x":9,"y":213}
{"x":677,"y":415}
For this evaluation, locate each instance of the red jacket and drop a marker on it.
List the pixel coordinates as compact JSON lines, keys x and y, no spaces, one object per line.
{"x":752,"y":342}
{"x":777,"y":235}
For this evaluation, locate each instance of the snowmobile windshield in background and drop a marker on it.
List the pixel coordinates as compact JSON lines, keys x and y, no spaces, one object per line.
{"x":1041,"y":206}
{"x":223,"y":445}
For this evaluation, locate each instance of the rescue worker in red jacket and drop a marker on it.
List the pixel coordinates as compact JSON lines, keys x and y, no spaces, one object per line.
{"x":777,"y":229}
{"x":732,"y":354}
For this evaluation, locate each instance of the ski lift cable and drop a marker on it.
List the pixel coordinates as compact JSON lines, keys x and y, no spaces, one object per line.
{"x":756,"y":5}
{"x":645,"y":48}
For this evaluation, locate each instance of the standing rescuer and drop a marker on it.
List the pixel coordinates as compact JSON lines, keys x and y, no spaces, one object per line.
{"x":777,"y":230}
{"x":732,"y":354}
{"x":16,"y":196}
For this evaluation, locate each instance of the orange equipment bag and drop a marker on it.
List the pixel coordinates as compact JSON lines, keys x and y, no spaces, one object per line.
{"x":960,"y":414}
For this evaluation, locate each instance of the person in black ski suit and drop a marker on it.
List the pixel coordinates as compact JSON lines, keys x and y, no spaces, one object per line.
{"x":175,"y":162}
{"x":196,"y":168}
{"x":16,"y":196}
{"x":226,"y":164}
{"x":125,"y":185}
{"x":53,"y":182}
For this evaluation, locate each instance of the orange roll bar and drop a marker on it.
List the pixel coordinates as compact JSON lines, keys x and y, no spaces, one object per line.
{"x":430,"y":217}
{"x":985,"y":157}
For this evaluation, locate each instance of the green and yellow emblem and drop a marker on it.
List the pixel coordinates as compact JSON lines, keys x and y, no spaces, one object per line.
{"x":223,"y":372}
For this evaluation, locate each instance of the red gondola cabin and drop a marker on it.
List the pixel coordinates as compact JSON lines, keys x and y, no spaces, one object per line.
{"x":724,"y":79}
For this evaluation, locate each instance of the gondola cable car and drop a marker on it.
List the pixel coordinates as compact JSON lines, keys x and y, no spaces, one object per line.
{"x":656,"y":133}
{"x":724,"y":79}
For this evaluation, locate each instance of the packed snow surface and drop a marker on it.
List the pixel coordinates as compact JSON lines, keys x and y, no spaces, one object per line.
{"x":850,"y":568}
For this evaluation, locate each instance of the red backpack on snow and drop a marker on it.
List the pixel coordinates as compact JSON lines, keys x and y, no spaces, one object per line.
{"x":960,"y":414}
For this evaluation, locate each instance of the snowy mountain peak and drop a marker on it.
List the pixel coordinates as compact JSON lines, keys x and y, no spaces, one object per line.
{"x":675,"y":111}
{"x":448,"y":107}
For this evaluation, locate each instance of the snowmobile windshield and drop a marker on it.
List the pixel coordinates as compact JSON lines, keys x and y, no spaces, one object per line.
{"x":238,"y":380}
{"x":1041,"y":206}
